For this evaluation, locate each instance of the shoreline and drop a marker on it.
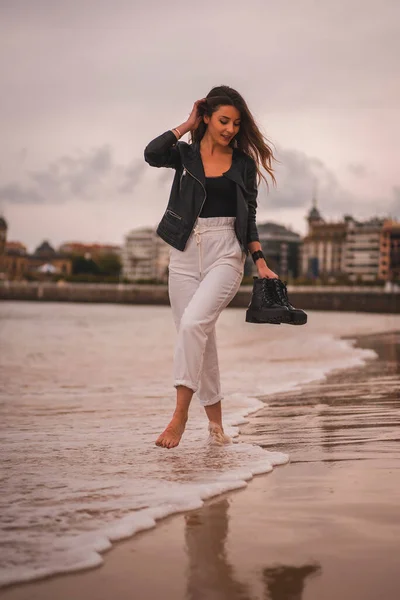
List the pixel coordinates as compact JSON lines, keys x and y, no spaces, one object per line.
{"x":68,"y":585}
{"x":327,"y":298}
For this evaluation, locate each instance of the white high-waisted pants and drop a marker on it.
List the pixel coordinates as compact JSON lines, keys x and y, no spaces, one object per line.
{"x":203,"y":279}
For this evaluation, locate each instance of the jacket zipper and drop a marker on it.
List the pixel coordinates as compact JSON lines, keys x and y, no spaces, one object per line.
{"x":205,"y":191}
{"x":185,"y":169}
{"x":180,"y":181}
{"x":171,"y":212}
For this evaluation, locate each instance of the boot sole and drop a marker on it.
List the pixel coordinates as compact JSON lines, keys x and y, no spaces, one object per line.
{"x":274,"y":318}
{"x":298,"y":319}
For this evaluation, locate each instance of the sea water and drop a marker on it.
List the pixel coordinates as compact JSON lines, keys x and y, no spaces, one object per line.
{"x":86,"y":390}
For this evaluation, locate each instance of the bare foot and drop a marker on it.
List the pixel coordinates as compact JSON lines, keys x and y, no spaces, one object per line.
{"x":171,"y":436}
{"x":217,"y":435}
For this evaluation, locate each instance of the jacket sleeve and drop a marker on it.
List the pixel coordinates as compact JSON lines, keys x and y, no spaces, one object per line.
{"x":163,"y":151}
{"x":252,"y":232}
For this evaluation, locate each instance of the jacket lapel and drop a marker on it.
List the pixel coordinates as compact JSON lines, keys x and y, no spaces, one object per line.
{"x":235,"y":172}
{"x":192,"y":161}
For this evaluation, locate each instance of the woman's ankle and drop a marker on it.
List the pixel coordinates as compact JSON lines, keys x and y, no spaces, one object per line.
{"x":216,"y":423}
{"x":180,"y":415}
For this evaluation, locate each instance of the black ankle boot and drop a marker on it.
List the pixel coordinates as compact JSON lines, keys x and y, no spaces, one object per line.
{"x":297,"y":316}
{"x":264,"y":306}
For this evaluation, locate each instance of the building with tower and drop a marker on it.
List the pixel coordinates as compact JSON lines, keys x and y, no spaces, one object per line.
{"x":323,"y":248}
{"x":364,"y":251}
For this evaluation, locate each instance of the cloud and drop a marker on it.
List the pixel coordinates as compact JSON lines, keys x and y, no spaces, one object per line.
{"x":132,"y":175}
{"x":357,"y":169}
{"x":301,"y":177}
{"x":331,"y":92}
{"x":16,"y":194}
{"x":93,"y":176}
{"x":85,"y":176}
{"x":73,"y":175}
{"x":298,"y":177}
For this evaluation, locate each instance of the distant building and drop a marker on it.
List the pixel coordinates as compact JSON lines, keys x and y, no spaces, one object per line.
{"x":17,"y":247}
{"x":92,"y":251}
{"x":15,"y":260}
{"x":389,"y":263}
{"x":145,"y":256}
{"x":362,"y":254}
{"x":323,"y":247}
{"x":281,"y":250}
{"x":362,"y":250}
{"x":16,"y":263}
{"x":45,"y":254}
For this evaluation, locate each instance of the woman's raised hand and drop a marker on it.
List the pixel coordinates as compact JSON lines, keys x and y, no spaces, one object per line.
{"x":194,"y":117}
{"x":192,"y":122}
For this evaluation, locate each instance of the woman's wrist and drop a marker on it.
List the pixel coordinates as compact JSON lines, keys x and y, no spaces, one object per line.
{"x":261,"y":264}
{"x":257,"y":255}
{"x":181,"y":130}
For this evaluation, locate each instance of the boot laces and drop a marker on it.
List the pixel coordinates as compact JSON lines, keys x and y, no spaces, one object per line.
{"x":286,"y":300}
{"x":267,"y":292}
{"x":280,"y":292}
{"x":283,"y":290}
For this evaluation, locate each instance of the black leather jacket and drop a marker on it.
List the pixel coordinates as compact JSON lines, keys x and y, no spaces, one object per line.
{"x":188,"y":192}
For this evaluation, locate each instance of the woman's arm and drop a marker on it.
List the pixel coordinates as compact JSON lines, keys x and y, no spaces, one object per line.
{"x":162,"y":151}
{"x":262,"y":268}
{"x":252,"y":232}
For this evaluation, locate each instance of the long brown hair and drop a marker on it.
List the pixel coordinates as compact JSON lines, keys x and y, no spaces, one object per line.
{"x":249,"y":138}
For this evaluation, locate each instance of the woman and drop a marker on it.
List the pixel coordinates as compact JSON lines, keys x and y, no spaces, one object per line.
{"x":210,"y":224}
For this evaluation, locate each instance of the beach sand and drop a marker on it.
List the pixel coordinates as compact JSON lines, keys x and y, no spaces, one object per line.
{"x":324,"y":527}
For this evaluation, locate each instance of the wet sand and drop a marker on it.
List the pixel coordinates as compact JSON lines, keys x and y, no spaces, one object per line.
{"x":324,"y":527}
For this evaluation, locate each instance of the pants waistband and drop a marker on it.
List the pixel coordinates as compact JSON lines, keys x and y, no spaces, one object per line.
{"x":213,"y":223}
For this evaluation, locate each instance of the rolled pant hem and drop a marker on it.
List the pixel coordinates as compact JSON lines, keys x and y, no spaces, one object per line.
{"x":214,"y":400}
{"x":186,"y":383}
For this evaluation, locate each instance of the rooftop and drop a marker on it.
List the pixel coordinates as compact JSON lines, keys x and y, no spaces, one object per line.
{"x":269,"y":228}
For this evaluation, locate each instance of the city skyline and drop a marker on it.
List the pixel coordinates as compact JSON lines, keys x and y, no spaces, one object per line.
{"x":87,"y":89}
{"x":89,"y":241}
{"x":357,"y":249}
{"x":93,"y":242}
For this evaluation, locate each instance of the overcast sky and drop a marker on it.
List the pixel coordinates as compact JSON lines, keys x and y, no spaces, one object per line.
{"x":86,"y":84}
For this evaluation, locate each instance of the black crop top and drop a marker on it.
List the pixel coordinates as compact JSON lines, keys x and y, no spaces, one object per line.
{"x":221,"y":198}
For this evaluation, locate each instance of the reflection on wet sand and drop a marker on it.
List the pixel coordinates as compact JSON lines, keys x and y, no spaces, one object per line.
{"x":353,"y":415}
{"x":210,"y":574}
{"x":212,"y":577}
{"x":287,"y":583}
{"x":350,"y":417}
